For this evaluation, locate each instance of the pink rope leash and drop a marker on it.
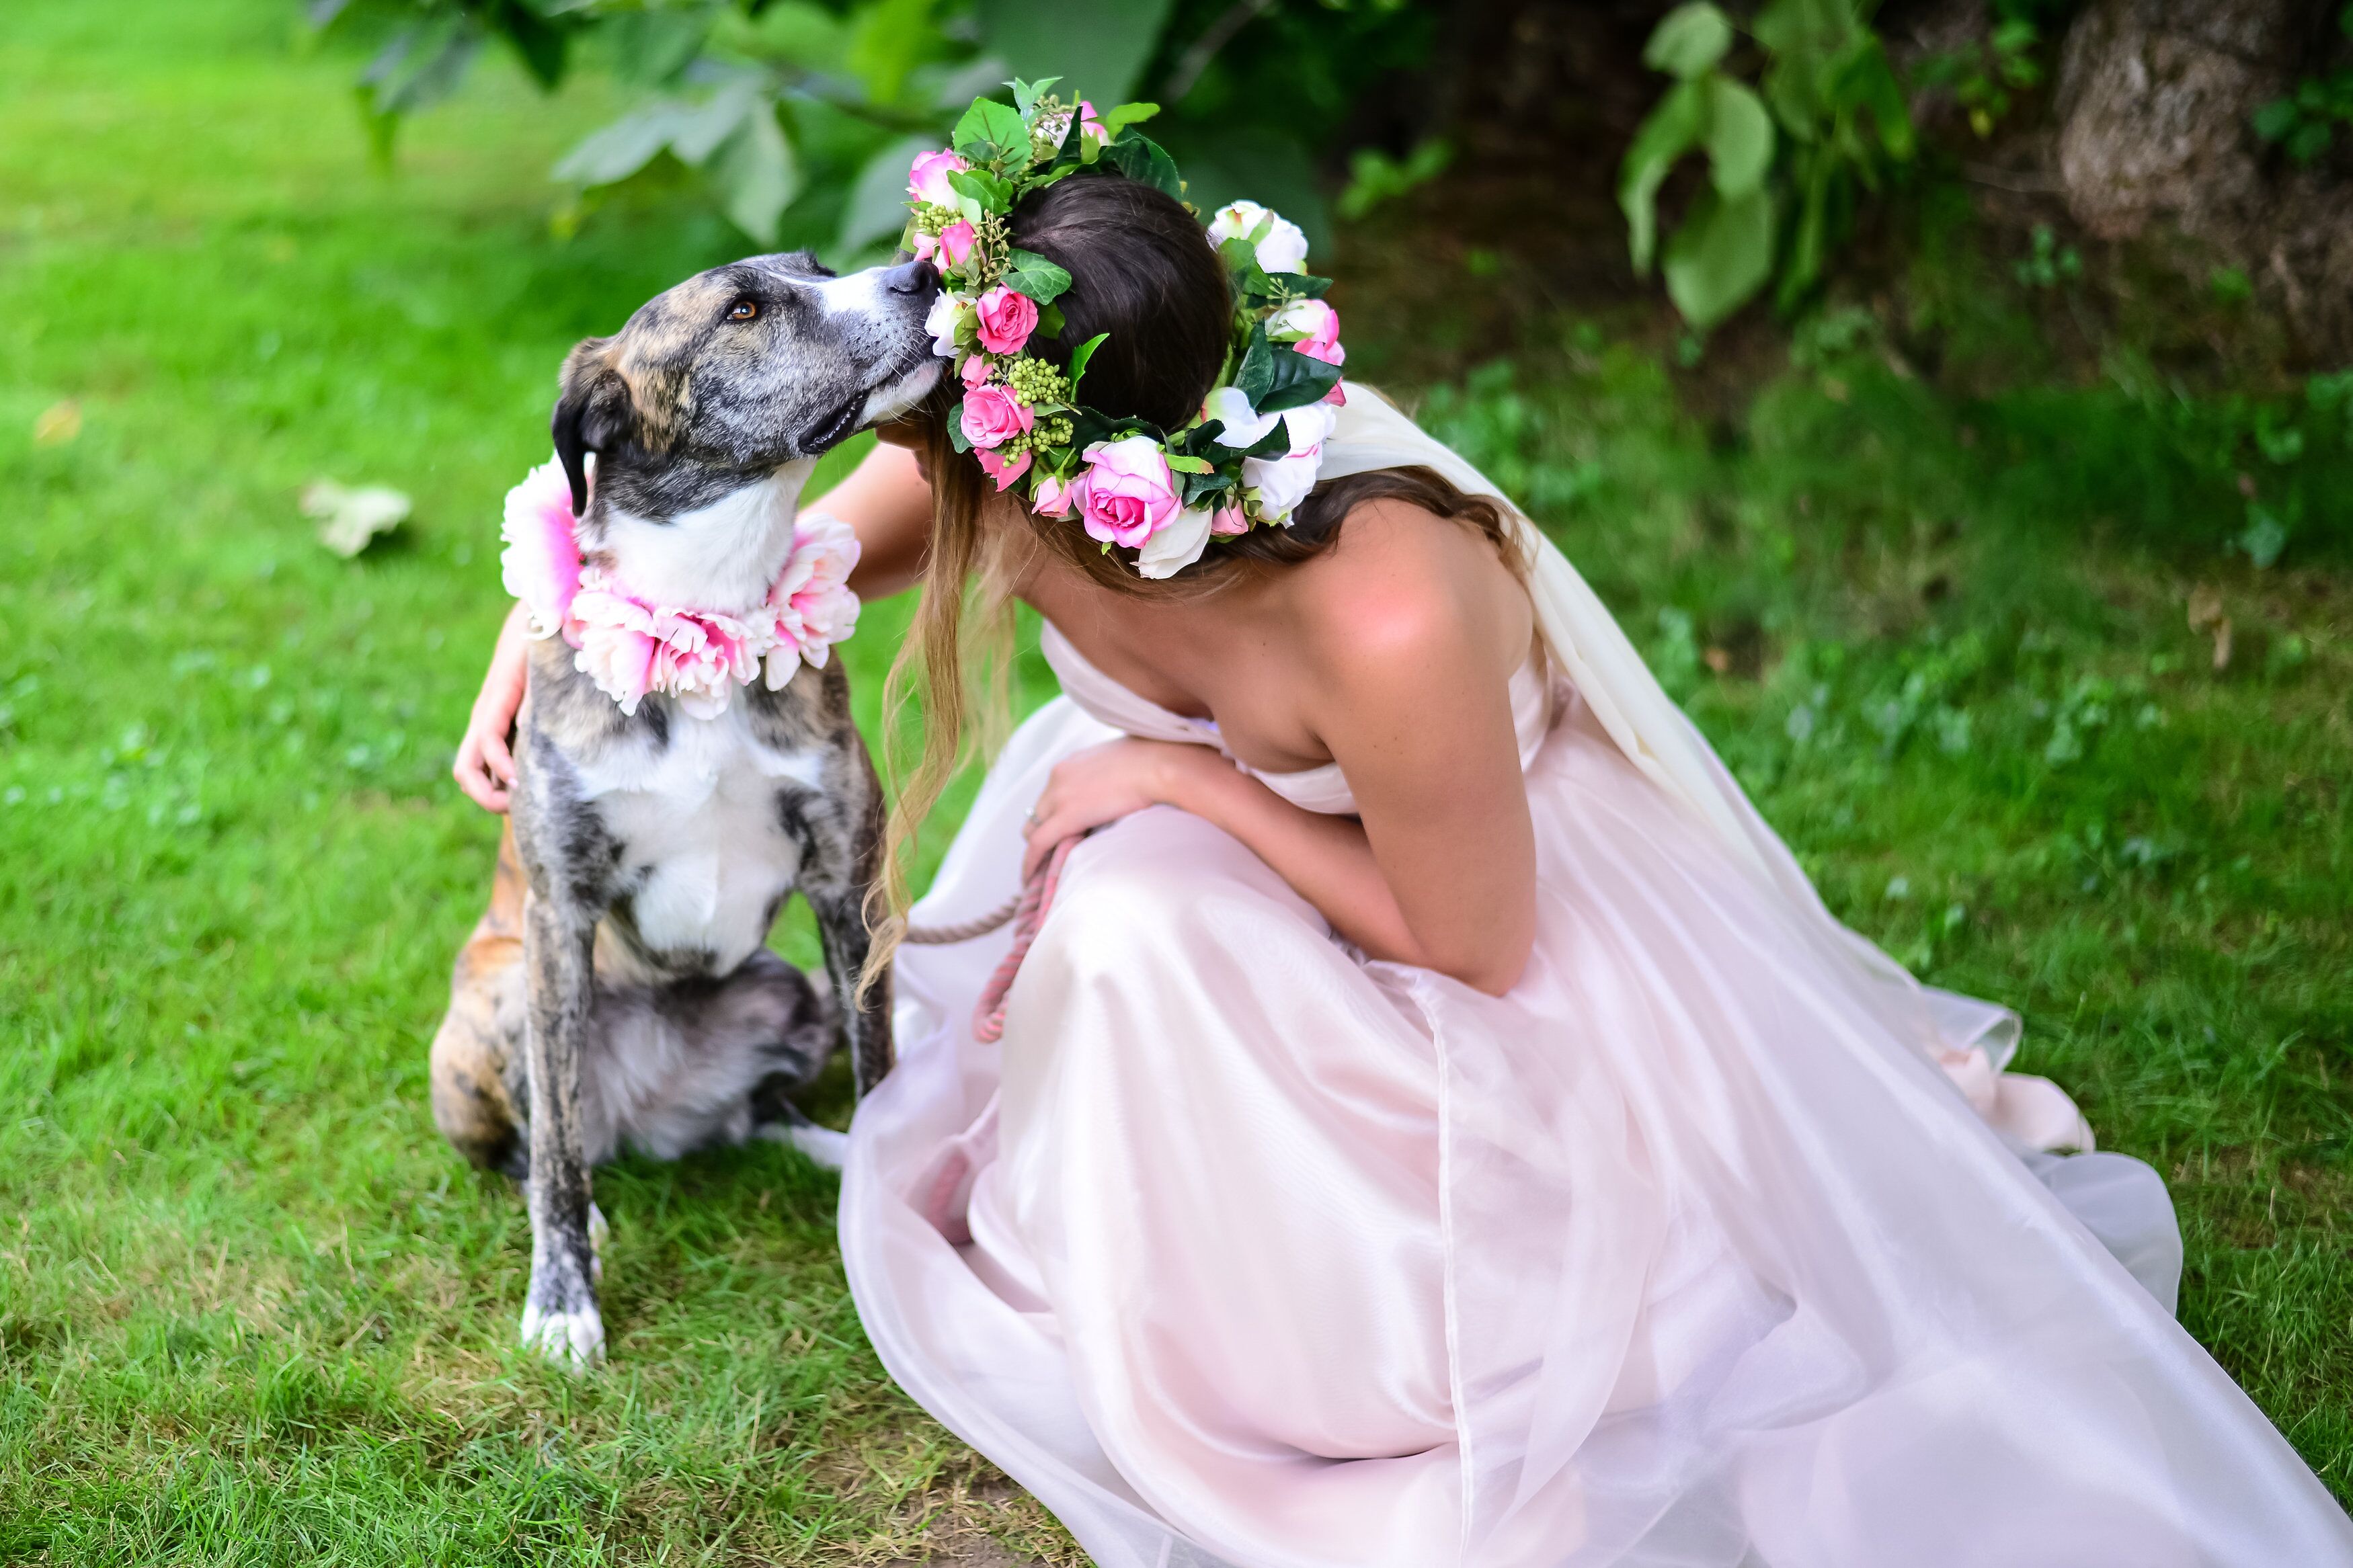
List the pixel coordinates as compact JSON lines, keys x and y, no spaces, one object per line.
{"x":1027,"y":910}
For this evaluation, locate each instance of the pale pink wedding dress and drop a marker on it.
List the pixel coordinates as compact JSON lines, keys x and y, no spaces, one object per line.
{"x":1717,"y":1242}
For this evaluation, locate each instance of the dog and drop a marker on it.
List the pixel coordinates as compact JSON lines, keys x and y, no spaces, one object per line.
{"x":619,"y":990}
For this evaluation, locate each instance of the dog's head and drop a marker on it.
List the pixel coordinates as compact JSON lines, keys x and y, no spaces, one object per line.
{"x":724,"y":379}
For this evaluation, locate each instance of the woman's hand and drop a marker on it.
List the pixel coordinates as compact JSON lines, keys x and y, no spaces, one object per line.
{"x":1106,"y":782}
{"x":485,"y":767}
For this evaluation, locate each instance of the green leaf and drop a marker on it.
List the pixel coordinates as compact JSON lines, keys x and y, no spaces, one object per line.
{"x":1141,"y":159}
{"x":1116,"y":119}
{"x":994,"y":194}
{"x":1739,"y":137}
{"x":785,"y":32}
{"x":1819,"y":189}
{"x":877,"y":207}
{"x":956,"y":429}
{"x":1689,"y":40}
{"x":1673,"y":128}
{"x":1096,"y":48}
{"x":1276,"y":376}
{"x":1079,"y":357}
{"x":756,"y":175}
{"x":2274,"y":119}
{"x":1866,"y":82}
{"x":1720,"y":257}
{"x":990,"y":129}
{"x":1027,"y":272}
{"x":1049,"y":321}
{"x":1025,"y":94}
{"x":1184,"y":464}
{"x":887,"y":41}
{"x":622,"y":148}
{"x":702,"y":130}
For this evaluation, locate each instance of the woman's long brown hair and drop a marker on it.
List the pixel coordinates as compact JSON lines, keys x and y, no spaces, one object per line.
{"x":1142,"y":273}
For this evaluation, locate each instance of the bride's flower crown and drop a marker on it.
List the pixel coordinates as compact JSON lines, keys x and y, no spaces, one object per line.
{"x":1246,"y":459}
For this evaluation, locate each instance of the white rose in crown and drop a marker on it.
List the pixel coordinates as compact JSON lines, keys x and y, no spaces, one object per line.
{"x":1282,"y":249}
{"x":1282,"y":483}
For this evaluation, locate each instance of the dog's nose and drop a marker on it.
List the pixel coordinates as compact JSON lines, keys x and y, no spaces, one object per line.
{"x":915,"y":277}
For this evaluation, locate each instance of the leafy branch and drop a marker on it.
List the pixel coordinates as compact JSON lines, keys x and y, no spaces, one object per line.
{"x":1786,"y":156}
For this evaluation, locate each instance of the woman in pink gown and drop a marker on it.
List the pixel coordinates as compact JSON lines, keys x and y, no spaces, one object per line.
{"x":1705,"y":1238}
{"x":1715,"y":1241}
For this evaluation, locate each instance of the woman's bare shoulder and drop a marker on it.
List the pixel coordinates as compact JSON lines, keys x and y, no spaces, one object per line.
{"x":1402,"y":583}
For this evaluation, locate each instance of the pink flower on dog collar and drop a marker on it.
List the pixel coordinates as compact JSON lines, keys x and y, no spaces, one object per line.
{"x":630,"y":645}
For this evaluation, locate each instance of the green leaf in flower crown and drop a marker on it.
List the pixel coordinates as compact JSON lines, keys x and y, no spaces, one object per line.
{"x":990,"y":131}
{"x":1025,"y":94}
{"x":1141,"y":159}
{"x":1256,"y":374}
{"x":955,"y":428}
{"x":1115,"y":121}
{"x":1087,"y":427}
{"x":1276,"y":376}
{"x":1050,"y":321}
{"x":1200,"y":488}
{"x":1027,"y":272}
{"x":994,"y":194}
{"x":1296,"y":381}
{"x":1301,"y":285}
{"x":1184,"y":464}
{"x":1079,"y":357}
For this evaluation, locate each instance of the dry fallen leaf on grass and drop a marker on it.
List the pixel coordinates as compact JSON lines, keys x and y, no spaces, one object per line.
{"x":58,"y":424}
{"x":2206,"y":615}
{"x":349,"y":518}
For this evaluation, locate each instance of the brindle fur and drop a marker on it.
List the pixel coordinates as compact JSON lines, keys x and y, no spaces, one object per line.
{"x":571,"y":1033}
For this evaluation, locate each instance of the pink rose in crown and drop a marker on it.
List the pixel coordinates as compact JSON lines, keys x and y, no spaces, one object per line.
{"x":1058,"y":126}
{"x":992,"y":417}
{"x":1006,"y":320}
{"x":995,"y":465}
{"x":928,"y":180}
{"x":1126,"y":494}
{"x":1311,"y":327}
{"x":1228,"y":522}
{"x":976,"y":371}
{"x":1053,"y":498}
{"x":950,"y":250}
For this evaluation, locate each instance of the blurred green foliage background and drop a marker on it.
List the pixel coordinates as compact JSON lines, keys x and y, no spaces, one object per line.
{"x":2015,"y":580}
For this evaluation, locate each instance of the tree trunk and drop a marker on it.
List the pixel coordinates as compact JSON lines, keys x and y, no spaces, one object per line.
{"x":2156,"y":101}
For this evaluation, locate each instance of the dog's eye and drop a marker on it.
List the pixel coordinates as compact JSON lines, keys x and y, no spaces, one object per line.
{"x":743,"y":310}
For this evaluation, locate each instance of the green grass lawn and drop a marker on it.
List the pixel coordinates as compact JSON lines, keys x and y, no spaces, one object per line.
{"x":253,"y":1311}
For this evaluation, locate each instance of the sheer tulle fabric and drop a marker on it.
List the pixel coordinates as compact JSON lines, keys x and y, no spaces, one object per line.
{"x":1704,"y":1247}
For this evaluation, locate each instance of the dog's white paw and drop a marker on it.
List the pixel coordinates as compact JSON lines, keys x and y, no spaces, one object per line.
{"x":571,"y":1340}
{"x":822,"y":1144}
{"x":597,"y":1231}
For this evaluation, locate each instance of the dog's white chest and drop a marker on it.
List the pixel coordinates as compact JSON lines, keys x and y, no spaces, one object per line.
{"x":703,"y":848}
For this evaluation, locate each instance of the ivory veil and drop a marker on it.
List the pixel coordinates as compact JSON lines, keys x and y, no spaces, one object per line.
{"x":1973,"y":1041}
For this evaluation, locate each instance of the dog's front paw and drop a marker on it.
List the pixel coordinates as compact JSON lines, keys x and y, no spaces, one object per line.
{"x":572,"y":1339}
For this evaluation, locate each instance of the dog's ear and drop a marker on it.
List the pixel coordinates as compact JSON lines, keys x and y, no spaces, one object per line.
{"x":593,"y":412}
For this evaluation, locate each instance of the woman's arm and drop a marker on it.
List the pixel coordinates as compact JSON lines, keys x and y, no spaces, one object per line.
{"x":1406,"y":633}
{"x":485,"y":765}
{"x":1438,"y":870}
{"x":887,"y":503}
